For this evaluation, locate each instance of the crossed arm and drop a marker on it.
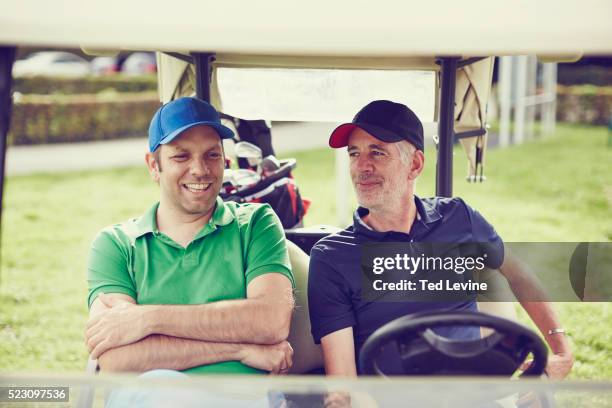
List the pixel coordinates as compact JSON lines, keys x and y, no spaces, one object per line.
{"x":125,"y":336}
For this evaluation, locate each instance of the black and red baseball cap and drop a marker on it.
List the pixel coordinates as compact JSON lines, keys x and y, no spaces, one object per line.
{"x":385,"y":120}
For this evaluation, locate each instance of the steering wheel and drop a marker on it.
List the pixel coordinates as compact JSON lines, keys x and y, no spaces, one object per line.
{"x":423,"y":352}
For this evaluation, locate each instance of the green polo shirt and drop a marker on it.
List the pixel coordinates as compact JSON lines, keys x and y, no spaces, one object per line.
{"x":239,"y":243}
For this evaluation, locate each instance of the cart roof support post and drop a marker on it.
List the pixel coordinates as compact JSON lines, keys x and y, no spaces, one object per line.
{"x":203,"y":71}
{"x":444,"y":165}
{"x":7,"y":56}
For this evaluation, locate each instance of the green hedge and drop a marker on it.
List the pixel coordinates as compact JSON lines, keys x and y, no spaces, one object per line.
{"x":90,"y":85}
{"x":39,"y":119}
{"x":584,"y":104}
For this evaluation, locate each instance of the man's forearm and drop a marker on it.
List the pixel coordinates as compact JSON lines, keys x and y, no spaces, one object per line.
{"x":545,"y":318}
{"x":524,"y":285}
{"x":534,"y":300}
{"x":339,"y":353}
{"x":158,"y":351}
{"x":257,"y":321}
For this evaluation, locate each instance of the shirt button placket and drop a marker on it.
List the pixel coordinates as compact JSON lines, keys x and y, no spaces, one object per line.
{"x":189,"y":257}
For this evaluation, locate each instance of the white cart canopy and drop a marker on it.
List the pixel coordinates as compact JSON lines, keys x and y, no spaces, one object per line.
{"x":315,"y":28}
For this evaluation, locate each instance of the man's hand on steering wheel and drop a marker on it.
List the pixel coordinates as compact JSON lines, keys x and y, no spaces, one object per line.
{"x":557,"y":367}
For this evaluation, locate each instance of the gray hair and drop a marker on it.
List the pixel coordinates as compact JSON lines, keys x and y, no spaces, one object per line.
{"x":406,"y":150}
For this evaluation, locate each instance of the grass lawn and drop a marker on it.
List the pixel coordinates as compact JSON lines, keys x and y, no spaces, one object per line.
{"x":554,"y":189}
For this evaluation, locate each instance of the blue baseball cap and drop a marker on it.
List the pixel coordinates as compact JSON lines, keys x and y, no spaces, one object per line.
{"x":175,"y":117}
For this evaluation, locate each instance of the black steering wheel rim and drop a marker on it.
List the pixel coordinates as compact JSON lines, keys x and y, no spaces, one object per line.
{"x":412,"y":328}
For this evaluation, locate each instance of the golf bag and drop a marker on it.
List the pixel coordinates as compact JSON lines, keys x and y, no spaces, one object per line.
{"x":274,"y":186}
{"x":277,"y":189}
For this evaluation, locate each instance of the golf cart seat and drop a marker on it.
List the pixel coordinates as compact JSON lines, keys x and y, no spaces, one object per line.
{"x":307,"y":355}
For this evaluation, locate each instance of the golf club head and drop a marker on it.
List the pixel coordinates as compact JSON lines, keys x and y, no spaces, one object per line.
{"x":249,"y":151}
{"x":245,"y":177}
{"x":269,"y":165}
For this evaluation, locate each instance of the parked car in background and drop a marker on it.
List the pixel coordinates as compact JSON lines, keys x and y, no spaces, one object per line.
{"x":140,"y":63}
{"x":104,"y":65}
{"x":52,"y":63}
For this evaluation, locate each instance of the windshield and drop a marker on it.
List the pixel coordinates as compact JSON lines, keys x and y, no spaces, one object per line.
{"x":321,"y":95}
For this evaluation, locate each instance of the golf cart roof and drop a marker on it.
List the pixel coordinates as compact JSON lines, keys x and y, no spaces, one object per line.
{"x":320,"y":28}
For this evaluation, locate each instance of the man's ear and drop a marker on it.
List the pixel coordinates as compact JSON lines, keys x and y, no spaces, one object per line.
{"x":417,"y":164}
{"x":152,"y":166}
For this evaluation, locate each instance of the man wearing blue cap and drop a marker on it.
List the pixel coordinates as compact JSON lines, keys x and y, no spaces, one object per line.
{"x":196,"y":284}
{"x":385,"y":145}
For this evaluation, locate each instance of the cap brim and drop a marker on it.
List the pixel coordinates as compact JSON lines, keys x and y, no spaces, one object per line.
{"x":340,"y":135}
{"x":223,"y":131}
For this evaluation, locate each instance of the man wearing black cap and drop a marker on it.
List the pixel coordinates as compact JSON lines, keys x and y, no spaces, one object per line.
{"x":195,"y":284}
{"x":385,"y":145}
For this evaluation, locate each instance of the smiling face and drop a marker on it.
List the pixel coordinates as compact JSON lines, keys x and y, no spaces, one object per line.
{"x":192,"y":173}
{"x":382,"y":179}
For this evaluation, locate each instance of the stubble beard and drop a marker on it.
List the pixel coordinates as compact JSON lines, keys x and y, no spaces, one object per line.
{"x":183,"y":205}
{"x":198,"y":209}
{"x":389,"y":195}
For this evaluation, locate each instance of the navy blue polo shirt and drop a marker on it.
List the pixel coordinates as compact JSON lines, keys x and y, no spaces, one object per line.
{"x":334,"y":282}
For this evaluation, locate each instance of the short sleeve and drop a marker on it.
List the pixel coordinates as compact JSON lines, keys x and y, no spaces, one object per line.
{"x":266,"y":248}
{"x":491,"y":243}
{"x":329,"y":298}
{"x":108,"y":266}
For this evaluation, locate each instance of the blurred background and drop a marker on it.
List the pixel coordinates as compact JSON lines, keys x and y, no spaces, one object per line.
{"x":75,"y":164}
